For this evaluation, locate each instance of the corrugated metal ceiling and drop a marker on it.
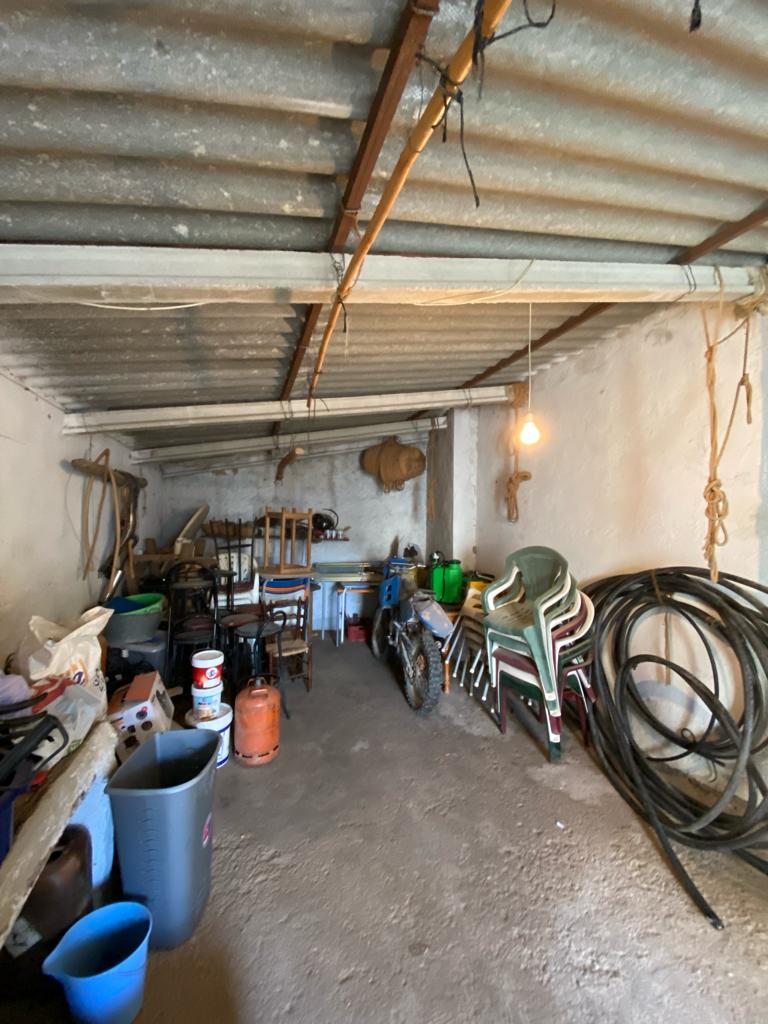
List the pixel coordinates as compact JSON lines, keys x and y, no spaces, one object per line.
{"x":231,"y":124}
{"x":615,"y":134}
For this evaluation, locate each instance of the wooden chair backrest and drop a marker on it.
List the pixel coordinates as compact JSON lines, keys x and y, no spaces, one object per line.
{"x":296,"y":618}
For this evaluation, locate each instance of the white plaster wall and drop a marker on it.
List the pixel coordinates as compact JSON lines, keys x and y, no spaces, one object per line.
{"x":619,"y":473}
{"x":378,"y":522}
{"x":40,"y":514}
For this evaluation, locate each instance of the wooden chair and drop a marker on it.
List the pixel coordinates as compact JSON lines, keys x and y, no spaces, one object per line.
{"x":295,"y":642}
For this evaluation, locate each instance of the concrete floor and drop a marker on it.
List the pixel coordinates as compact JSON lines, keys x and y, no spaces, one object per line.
{"x":397,"y":870}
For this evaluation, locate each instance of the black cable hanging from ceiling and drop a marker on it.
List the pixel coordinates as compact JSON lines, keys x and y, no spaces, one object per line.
{"x":452,"y":91}
{"x":482,"y":42}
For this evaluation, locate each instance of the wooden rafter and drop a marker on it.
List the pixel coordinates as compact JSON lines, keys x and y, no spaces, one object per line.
{"x":409,"y":38}
{"x":447,"y":92}
{"x":724,"y":234}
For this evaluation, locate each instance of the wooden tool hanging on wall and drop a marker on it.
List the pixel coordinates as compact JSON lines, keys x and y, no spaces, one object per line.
{"x":125,"y":489}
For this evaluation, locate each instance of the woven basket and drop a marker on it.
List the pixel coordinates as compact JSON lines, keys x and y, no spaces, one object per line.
{"x":394,"y":463}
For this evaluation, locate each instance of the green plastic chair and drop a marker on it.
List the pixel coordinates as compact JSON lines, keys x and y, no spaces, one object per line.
{"x":535,"y":584}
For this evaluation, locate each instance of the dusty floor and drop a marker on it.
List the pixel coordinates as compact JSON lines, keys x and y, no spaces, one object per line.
{"x":387,"y":868}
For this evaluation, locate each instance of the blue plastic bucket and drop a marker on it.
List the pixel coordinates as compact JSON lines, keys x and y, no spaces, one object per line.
{"x":102,"y":962}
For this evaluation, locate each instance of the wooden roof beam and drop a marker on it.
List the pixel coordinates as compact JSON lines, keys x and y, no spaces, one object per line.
{"x":724,"y":234}
{"x":409,"y":38}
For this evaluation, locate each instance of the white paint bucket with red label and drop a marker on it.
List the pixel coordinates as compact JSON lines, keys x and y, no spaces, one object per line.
{"x":207,"y":667}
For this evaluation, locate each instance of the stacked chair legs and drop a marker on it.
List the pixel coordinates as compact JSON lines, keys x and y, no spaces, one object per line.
{"x":464,"y":650}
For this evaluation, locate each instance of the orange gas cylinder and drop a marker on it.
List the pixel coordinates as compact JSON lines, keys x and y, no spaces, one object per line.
{"x":257,"y":723}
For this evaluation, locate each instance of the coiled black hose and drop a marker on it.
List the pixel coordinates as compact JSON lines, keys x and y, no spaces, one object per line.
{"x":734,"y":613}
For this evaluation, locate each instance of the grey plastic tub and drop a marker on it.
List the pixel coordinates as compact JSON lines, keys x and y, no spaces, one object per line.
{"x":122,"y":630}
{"x":162,"y":803}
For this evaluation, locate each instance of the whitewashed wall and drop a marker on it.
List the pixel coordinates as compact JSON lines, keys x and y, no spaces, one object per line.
{"x":619,"y":473}
{"x":40,"y":514}
{"x":377,"y":520}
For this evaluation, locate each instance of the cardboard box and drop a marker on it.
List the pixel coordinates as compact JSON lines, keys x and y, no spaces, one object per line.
{"x":138,"y":711}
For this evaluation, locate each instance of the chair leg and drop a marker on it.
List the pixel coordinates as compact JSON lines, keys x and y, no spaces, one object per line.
{"x":309,"y":669}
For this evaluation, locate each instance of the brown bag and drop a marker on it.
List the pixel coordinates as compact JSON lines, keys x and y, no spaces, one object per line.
{"x":394,"y":463}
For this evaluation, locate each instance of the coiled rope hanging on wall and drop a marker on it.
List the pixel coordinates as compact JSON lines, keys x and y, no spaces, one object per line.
{"x":714,"y":493}
{"x":732,"y":614}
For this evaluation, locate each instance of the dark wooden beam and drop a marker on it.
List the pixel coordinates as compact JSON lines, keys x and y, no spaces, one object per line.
{"x":310,"y":322}
{"x":722,"y":236}
{"x":409,"y":38}
{"x":725,"y":233}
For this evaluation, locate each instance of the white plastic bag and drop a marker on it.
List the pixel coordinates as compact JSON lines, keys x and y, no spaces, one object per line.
{"x":51,"y":651}
{"x":77,"y":708}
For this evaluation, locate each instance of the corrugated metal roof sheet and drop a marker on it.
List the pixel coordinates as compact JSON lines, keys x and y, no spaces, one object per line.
{"x":614,"y":134}
{"x":231,"y":124}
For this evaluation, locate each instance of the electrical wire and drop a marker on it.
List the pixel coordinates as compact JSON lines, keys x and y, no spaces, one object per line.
{"x":147,"y":309}
{"x":733,"y":614}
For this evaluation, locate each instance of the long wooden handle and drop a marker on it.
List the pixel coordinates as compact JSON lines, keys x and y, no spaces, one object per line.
{"x":101,"y":472}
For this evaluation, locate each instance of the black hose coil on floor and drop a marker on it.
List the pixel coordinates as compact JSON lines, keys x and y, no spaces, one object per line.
{"x":734,"y":612}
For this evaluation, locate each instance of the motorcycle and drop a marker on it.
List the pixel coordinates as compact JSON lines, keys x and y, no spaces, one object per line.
{"x":410,"y":622}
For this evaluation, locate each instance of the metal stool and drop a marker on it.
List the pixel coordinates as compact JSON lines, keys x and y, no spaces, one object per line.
{"x":254,"y":634}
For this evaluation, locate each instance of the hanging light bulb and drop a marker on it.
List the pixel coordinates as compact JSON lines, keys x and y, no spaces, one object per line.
{"x":529,"y":432}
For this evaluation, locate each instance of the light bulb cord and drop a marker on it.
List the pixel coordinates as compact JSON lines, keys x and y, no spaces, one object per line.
{"x":530,"y":332}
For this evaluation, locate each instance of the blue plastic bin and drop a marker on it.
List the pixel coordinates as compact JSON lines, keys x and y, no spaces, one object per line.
{"x":102,"y":963}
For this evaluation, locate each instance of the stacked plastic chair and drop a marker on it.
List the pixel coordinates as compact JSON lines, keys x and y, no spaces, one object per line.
{"x":464,"y":649}
{"x":538,"y":643}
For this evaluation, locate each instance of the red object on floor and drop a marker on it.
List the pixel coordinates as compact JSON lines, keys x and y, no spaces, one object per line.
{"x":358,"y":631}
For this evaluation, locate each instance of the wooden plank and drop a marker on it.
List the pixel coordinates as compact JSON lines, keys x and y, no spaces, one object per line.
{"x":95,"y":758}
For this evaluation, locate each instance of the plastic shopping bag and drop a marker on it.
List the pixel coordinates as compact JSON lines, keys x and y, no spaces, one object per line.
{"x":77,"y":708}
{"x":53,"y":652}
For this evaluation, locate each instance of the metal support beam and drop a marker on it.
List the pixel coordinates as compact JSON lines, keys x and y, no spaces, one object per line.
{"x":151,"y":276}
{"x":715,"y":241}
{"x":246,"y":445}
{"x":263,"y":459}
{"x":411,"y":33}
{"x":136,"y":420}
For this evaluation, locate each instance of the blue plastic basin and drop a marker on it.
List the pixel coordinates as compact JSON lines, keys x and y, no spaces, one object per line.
{"x":102,"y":963}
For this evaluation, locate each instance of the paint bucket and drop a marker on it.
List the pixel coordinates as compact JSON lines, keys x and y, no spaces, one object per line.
{"x":207,"y":667}
{"x":102,"y":962}
{"x":222,"y":724}
{"x":206,"y":703}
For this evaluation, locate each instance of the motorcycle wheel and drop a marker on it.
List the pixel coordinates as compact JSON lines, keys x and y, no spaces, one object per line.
{"x":425,"y":684}
{"x":382,"y":620}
